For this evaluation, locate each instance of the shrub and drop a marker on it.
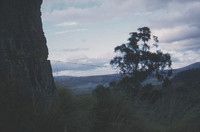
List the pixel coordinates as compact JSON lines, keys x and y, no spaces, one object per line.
{"x":114,"y":113}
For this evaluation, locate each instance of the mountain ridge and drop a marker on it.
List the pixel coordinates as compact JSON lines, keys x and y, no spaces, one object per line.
{"x":86,"y":84}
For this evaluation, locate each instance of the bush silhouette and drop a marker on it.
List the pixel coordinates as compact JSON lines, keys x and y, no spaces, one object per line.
{"x":137,"y":61}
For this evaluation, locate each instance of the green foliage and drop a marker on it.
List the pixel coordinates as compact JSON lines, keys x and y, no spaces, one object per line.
{"x":107,"y":110}
{"x":101,"y":92}
{"x":137,"y":61}
{"x":177,"y":110}
{"x":18,"y":114}
{"x":114,"y":113}
{"x":75,"y":112}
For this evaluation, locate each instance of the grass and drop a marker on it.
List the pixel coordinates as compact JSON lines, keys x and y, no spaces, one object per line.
{"x":176,"y":109}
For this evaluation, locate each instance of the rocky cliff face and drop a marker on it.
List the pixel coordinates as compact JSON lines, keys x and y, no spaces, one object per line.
{"x":23,"y":50}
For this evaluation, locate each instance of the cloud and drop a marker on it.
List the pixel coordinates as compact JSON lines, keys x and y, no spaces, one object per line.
{"x":68,"y":31}
{"x":93,"y":72}
{"x":189,"y":44}
{"x":184,"y":58}
{"x":79,"y":64}
{"x":82,"y":65}
{"x":75,"y":50}
{"x":178,"y":33}
{"x":178,"y":30}
{"x":66,"y":24}
{"x":175,"y":22}
{"x":105,"y":10}
{"x":70,"y":1}
{"x":178,"y":13}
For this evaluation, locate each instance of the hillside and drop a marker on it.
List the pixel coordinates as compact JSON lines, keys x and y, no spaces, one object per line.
{"x":85,"y":84}
{"x":187,"y":75}
{"x":88,"y":83}
{"x":192,"y":66}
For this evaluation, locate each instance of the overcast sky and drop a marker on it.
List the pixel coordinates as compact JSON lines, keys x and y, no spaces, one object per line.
{"x":82,"y":34}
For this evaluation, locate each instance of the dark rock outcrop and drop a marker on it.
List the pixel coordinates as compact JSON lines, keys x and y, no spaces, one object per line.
{"x":23,"y":50}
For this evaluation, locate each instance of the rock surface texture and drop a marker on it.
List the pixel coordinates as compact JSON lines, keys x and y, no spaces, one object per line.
{"x":23,"y":49}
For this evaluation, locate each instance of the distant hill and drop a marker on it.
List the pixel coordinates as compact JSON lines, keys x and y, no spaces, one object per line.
{"x":88,"y":83}
{"x":190,"y":72}
{"x":192,"y":66}
{"x":85,"y":84}
{"x":187,"y":75}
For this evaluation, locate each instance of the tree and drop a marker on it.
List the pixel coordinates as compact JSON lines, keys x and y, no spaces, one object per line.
{"x":137,"y":60}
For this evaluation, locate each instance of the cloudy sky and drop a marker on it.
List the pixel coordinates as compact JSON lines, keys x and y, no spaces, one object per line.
{"x":82,"y":34}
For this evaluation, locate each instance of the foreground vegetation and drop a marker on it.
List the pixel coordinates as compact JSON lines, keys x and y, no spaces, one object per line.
{"x":104,"y":112}
{"x":173,"y":109}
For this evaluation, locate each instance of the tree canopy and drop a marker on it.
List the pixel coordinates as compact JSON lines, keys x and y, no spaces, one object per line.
{"x":138,"y":61}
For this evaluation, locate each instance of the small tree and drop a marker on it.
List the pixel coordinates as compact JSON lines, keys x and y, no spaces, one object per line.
{"x":137,"y":62}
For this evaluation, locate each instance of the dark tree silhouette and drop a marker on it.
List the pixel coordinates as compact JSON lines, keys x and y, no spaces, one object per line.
{"x":137,"y":61}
